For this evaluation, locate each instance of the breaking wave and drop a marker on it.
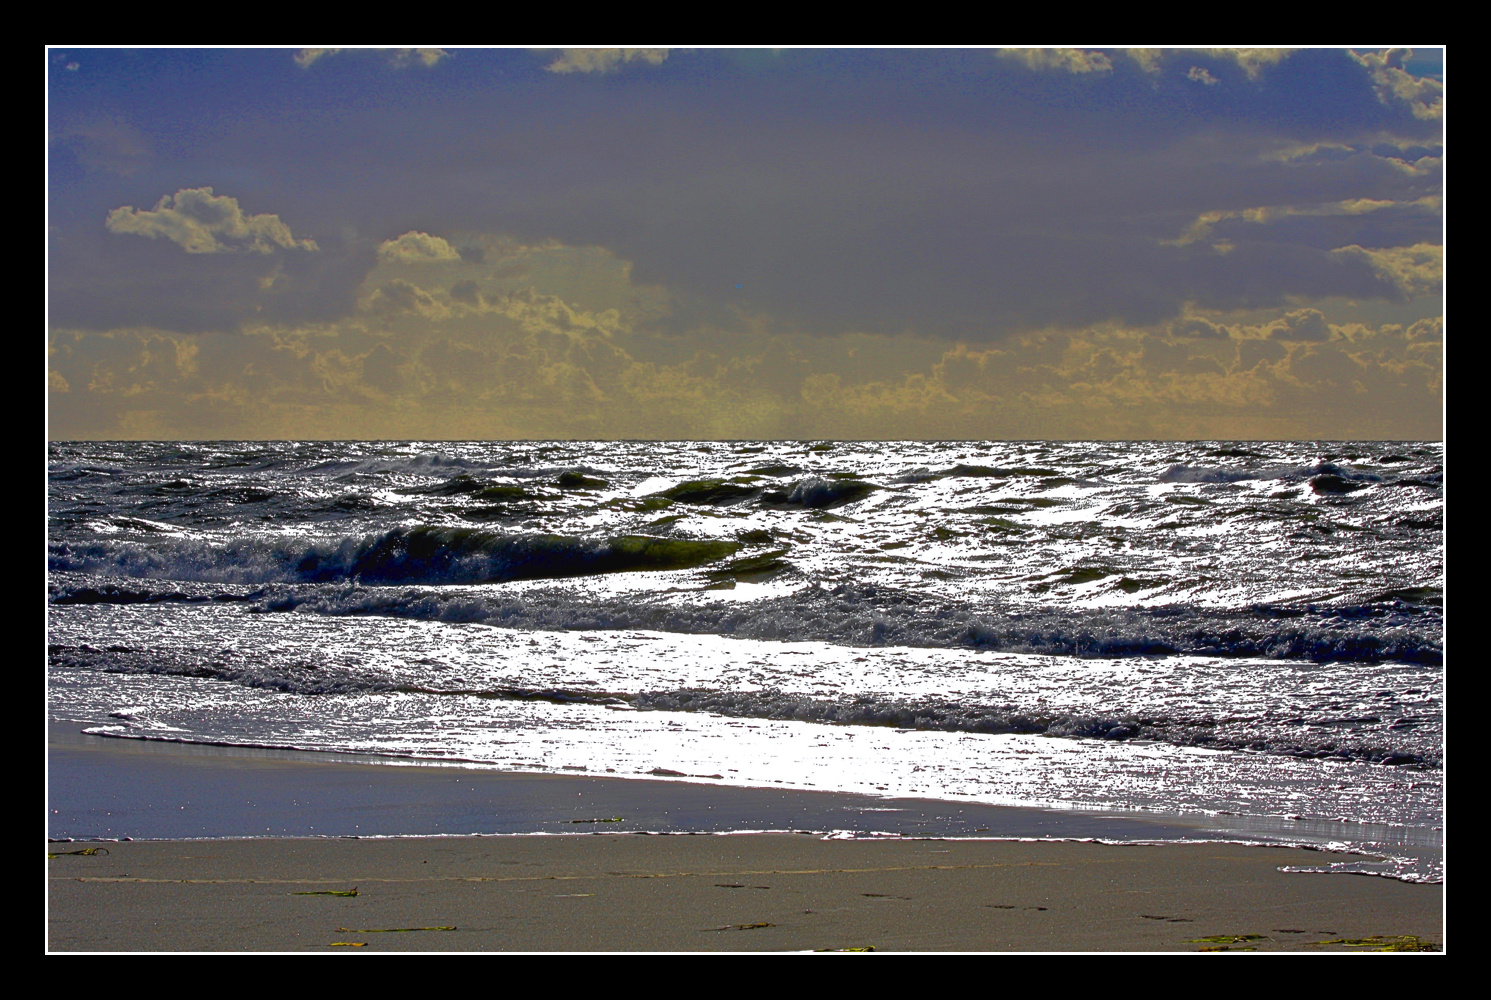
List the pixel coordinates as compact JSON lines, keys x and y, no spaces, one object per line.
{"x":423,"y":554}
{"x":1393,"y":626}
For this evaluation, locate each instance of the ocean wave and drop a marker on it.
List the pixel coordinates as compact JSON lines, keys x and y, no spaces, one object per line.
{"x":961,"y":471}
{"x":819,"y":494}
{"x":422,"y":554}
{"x":68,"y":472}
{"x":966,"y":717}
{"x":1393,"y":626}
{"x":1329,"y":476}
{"x":812,"y":493}
{"x":308,"y":673}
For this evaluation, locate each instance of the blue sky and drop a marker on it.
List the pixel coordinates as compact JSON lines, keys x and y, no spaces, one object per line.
{"x":468,"y":243}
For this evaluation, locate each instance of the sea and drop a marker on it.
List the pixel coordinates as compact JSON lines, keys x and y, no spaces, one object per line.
{"x":1247,"y":636}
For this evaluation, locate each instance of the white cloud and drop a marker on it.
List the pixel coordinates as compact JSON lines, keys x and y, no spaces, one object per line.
{"x":397,"y":58}
{"x":1416,"y":270}
{"x":603,"y":60}
{"x":1148,"y":59}
{"x":1202,"y":227}
{"x":202,"y":222}
{"x":1427,"y":329}
{"x":1425,"y":97}
{"x":1301,"y":324}
{"x":1291,"y":151}
{"x":426,"y":57}
{"x":305,"y":57}
{"x":415,"y":247}
{"x":1252,"y":61}
{"x":1071,"y":60}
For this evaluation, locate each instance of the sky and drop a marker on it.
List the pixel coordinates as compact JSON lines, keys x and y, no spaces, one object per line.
{"x":1016,"y":244}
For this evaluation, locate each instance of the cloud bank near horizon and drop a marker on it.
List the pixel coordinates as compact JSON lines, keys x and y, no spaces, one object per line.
{"x":798,"y":243}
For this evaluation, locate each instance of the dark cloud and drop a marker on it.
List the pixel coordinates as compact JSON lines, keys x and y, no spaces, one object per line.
{"x":1301,"y":324}
{"x":1196,"y":326}
{"x":398,"y":296}
{"x":1257,"y":275}
{"x":1399,"y":225}
{"x":380,"y":370}
{"x":951,"y":193}
{"x":97,"y":283}
{"x":101,"y":280}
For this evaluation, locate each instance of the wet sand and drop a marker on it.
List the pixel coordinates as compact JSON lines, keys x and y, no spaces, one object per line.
{"x":288,"y":888}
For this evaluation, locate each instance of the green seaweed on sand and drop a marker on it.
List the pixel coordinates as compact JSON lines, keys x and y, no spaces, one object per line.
{"x":326,"y":892}
{"x":349,"y":944}
{"x":738,"y":927}
{"x":1225,"y":939}
{"x":86,"y":852}
{"x":1400,"y":942}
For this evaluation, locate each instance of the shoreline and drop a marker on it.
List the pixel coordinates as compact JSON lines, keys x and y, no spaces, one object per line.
{"x":182,"y":789}
{"x":109,"y":788}
{"x":198,"y":878}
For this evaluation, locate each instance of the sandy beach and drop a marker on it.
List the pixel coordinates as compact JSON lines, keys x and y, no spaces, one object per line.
{"x":203,"y":881}
{"x":746,"y":892}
